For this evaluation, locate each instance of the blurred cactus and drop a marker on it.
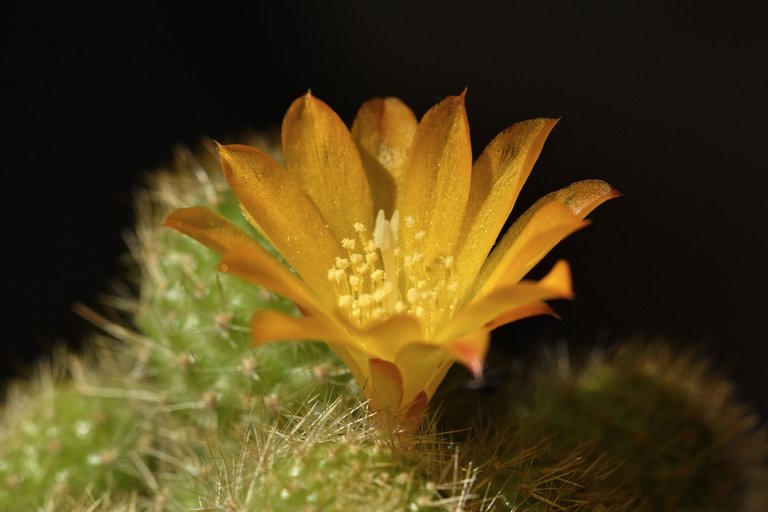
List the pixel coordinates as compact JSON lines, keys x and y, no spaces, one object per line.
{"x":173,"y":410}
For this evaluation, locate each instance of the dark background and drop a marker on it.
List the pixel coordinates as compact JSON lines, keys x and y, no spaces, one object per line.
{"x":666,"y":100}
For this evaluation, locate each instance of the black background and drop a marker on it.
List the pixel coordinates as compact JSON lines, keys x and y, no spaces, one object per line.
{"x":666,"y":100}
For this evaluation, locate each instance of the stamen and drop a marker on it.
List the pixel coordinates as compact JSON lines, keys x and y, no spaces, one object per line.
{"x":380,"y":280}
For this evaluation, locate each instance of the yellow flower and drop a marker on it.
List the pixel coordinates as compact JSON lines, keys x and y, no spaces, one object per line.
{"x":390,"y":229}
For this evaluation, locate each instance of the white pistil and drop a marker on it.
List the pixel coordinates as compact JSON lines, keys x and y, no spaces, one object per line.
{"x":386,"y":237}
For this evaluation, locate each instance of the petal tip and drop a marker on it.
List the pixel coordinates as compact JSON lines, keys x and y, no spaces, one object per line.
{"x":560,"y":279}
{"x":476,"y":368}
{"x":170,"y":221}
{"x":471,"y":354}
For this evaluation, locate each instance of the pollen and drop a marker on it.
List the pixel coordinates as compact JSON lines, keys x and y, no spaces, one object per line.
{"x":377,"y":279}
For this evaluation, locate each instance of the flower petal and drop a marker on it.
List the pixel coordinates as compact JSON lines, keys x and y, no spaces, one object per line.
{"x":483,"y":311}
{"x":416,"y":408}
{"x":436,"y":181}
{"x":269,"y":325}
{"x":538,"y":230}
{"x":423,"y":366}
{"x":497,"y":177}
{"x":385,"y":339}
{"x":284,"y":212}
{"x":383,"y":130}
{"x":527,"y":311}
{"x":381,"y":341}
{"x":320,"y":153}
{"x":253,"y":263}
{"x":385,"y":386}
{"x":470,"y":350}
{"x":208,"y":227}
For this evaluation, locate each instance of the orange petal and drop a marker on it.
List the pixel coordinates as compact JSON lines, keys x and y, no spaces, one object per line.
{"x":253,"y":263}
{"x":526,"y":311}
{"x":243,"y":256}
{"x":583,"y":197}
{"x":384,"y":127}
{"x":385,"y":339}
{"x":423,"y":366}
{"x":497,"y":177}
{"x":269,"y":325}
{"x":320,"y":153}
{"x":436,"y":181}
{"x":284,"y":212}
{"x":538,"y":230}
{"x":385,"y":387}
{"x":208,"y":227}
{"x":417,"y":407}
{"x":471,"y":350}
{"x":483,"y":311}
{"x":383,"y":130}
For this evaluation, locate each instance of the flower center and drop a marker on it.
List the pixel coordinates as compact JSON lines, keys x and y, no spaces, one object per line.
{"x":377,"y":280}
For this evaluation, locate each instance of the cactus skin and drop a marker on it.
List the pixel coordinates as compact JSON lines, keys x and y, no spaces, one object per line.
{"x":198,"y":319}
{"x":178,"y":412}
{"x":58,"y":440}
{"x":657,"y":428}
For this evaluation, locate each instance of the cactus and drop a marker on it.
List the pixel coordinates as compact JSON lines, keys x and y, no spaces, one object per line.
{"x":172,"y":409}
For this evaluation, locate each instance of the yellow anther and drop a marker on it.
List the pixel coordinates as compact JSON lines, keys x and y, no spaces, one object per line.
{"x":379,"y":295}
{"x":379,"y":280}
{"x":365,"y":301}
{"x":378,"y":313}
